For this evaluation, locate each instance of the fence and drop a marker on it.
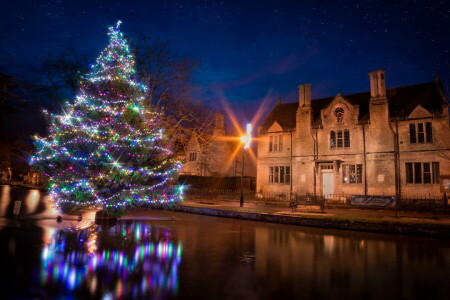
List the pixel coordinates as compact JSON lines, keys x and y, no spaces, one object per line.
{"x":407,"y":202}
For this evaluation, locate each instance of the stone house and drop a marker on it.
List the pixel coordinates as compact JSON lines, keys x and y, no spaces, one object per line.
{"x":392,"y":141}
{"x":218,"y":155}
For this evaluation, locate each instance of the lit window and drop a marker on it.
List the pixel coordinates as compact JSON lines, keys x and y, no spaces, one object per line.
{"x":351,"y":173}
{"x":422,"y":172}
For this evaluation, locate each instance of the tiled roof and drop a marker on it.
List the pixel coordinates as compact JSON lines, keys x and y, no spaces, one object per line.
{"x":402,"y":101}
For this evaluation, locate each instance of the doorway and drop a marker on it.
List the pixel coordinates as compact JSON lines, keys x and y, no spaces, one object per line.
{"x":327,"y":184}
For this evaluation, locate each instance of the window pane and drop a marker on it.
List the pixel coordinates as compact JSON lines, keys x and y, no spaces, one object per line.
{"x":288,"y":175}
{"x":333,"y":139}
{"x":429,"y":132}
{"x":271,"y":175}
{"x":426,"y":173}
{"x":271,"y":143}
{"x":412,"y":133}
{"x":345,"y":174}
{"x":409,"y":173}
{"x":420,"y":133}
{"x":280,"y":146}
{"x":339,"y":139}
{"x":276,"y":175}
{"x":352,"y":174}
{"x":281,"y":174}
{"x":417,"y":173}
{"x":436,"y":173}
{"x":275,"y":143}
{"x":359,"y":173}
{"x":346,"y":138}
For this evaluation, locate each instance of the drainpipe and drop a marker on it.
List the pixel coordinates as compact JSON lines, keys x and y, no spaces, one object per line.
{"x":315,"y":150}
{"x":292,"y":172}
{"x":396,"y":161}
{"x":365,"y":159}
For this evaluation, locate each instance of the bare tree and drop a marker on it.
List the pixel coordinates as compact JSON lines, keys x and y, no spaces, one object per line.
{"x":59,"y":75}
{"x":171,"y":89}
{"x":12,"y":102}
{"x":167,"y":76}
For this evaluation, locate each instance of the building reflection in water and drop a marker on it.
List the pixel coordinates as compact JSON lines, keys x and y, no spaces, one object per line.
{"x":5,"y":199}
{"x":144,"y":265}
{"x":351,"y":264}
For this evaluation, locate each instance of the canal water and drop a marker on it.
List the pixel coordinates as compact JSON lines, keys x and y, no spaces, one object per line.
{"x":169,"y":255}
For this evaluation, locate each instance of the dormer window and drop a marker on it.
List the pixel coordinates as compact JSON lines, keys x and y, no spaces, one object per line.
{"x":275,"y":143}
{"x":339,"y":114}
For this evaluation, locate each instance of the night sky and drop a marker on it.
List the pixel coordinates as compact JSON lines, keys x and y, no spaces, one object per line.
{"x":248,"y":50}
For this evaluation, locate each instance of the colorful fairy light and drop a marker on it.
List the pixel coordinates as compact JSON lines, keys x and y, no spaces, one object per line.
{"x":106,"y":149}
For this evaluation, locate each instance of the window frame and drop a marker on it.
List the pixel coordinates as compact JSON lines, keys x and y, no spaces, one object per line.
{"x":340,"y":138}
{"x":421,"y":132}
{"x":352,"y":173}
{"x":276,"y":143}
{"x":280,"y":174}
{"x":427,"y":172}
{"x":192,"y":156}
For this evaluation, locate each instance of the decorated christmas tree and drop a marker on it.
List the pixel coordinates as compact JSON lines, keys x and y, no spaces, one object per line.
{"x":106,"y":150}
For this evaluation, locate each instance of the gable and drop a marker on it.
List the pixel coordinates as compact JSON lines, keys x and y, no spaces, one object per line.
{"x":276,"y":127}
{"x":340,"y":112}
{"x":193,"y":144}
{"x":419,"y":113}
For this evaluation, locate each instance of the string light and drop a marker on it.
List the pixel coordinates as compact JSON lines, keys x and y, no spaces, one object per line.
{"x":106,"y":148}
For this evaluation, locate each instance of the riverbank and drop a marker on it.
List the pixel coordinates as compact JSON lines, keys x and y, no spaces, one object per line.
{"x":380,"y":221}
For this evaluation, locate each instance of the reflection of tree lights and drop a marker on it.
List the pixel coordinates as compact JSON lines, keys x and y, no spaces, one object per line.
{"x":154,"y":261}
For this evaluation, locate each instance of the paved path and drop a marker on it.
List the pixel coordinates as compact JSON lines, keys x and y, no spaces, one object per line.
{"x":350,"y":214}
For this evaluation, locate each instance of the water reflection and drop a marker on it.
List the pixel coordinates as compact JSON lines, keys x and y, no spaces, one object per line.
{"x":221,"y":259}
{"x":35,"y":204}
{"x":144,"y":266}
{"x":353,"y":265}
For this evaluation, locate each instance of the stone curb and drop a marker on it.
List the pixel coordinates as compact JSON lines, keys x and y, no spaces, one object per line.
{"x":429,"y":230}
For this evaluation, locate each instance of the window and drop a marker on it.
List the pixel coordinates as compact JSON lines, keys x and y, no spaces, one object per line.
{"x":193,"y":156}
{"x":420,"y":133}
{"x":340,"y":138}
{"x":351,"y":173}
{"x":339,"y":114}
{"x":276,"y":143}
{"x":326,"y":167}
{"x":280,"y":174}
{"x":422,"y":172}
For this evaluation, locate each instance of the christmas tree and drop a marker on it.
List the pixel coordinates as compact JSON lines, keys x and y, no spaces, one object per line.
{"x":106,"y":149}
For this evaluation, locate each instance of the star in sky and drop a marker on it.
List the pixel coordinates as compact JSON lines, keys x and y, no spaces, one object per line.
{"x":249,"y":50}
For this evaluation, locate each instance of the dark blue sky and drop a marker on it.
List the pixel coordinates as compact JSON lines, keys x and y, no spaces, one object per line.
{"x":249,"y":50}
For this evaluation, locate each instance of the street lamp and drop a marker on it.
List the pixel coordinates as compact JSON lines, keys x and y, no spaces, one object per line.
{"x":245,"y":140}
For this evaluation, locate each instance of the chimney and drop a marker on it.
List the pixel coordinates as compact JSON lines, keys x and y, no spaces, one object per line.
{"x":381,"y":84}
{"x":377,"y":84}
{"x":304,"y":95}
{"x":219,"y":126}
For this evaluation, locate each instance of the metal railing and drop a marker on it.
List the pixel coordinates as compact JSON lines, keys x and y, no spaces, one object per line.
{"x":338,"y":200}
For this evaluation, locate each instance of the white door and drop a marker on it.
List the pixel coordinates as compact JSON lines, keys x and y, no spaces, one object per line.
{"x":327,"y":184}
